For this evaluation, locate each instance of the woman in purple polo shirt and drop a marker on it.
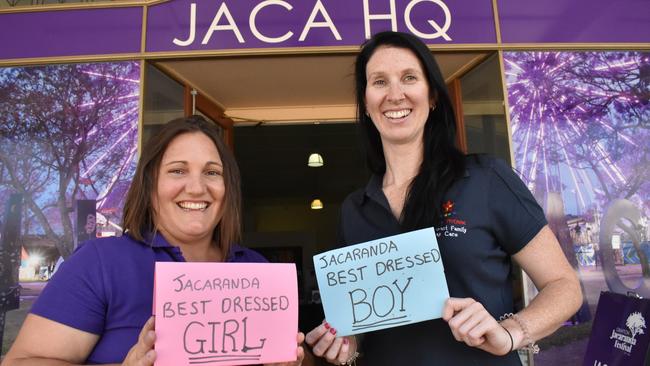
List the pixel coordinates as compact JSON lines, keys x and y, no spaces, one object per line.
{"x":183,"y":205}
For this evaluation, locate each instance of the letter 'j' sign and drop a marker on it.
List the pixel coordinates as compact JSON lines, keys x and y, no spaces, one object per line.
{"x":225,"y":313}
{"x":382,"y":283}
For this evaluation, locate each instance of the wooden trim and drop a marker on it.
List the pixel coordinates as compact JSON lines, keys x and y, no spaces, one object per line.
{"x":187,"y":100}
{"x":205,"y":105}
{"x":210,"y":109}
{"x":497,"y":24}
{"x":143,"y":32}
{"x":321,"y":51}
{"x":468,"y":67}
{"x":143,"y":64}
{"x":506,"y":112}
{"x":457,"y":102}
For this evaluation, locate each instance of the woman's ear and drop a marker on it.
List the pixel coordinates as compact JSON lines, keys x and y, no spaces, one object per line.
{"x":433,"y":100}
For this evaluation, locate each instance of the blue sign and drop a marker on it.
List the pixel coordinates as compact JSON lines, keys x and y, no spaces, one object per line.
{"x":382,"y":283}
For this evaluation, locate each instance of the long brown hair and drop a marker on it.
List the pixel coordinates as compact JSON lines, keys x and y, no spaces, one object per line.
{"x":139,"y":218}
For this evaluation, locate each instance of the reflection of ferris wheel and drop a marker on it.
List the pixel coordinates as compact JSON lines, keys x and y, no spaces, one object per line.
{"x":110,"y":195}
{"x":549,"y":117}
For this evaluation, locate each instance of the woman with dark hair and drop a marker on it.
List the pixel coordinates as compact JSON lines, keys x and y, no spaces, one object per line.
{"x":484,"y":218}
{"x":183,"y":205}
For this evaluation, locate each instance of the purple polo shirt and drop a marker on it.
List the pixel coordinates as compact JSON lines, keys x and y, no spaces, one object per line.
{"x":106,"y":288}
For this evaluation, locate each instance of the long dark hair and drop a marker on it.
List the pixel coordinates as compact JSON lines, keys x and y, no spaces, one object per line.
{"x":139,"y":218}
{"x":442,"y":162}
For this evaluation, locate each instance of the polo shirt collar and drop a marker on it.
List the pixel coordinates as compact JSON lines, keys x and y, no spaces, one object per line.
{"x":374,"y":191}
{"x":159,"y":241}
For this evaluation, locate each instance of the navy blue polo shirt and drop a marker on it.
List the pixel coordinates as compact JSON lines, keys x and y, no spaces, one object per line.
{"x":487,"y":216}
{"x":106,"y":288}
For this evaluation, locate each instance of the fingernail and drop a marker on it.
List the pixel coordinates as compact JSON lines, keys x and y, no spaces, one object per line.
{"x":332,"y":330}
{"x":327,"y":326}
{"x":345,"y":341}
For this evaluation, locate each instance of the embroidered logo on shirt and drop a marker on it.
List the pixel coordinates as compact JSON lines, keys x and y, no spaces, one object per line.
{"x":447,"y":208}
{"x":450,"y":226}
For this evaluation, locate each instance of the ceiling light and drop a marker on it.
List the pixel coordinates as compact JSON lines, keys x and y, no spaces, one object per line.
{"x":316,"y":204}
{"x":315,"y":160}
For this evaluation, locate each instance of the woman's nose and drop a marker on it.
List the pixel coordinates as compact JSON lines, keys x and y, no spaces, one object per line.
{"x":195,"y":184}
{"x":395,"y":93}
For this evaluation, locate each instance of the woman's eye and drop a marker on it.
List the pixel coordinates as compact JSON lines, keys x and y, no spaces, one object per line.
{"x":379,"y":82}
{"x":213,"y":173}
{"x":176,"y":171}
{"x":410,"y":78}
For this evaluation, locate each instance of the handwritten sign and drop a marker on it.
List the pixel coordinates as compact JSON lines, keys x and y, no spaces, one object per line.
{"x":225,"y":313}
{"x":382,"y":283}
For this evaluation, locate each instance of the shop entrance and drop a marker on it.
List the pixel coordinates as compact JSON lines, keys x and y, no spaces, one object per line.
{"x":279,"y":110}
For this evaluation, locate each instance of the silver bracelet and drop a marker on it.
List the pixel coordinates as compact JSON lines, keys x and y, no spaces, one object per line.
{"x":352,"y":361}
{"x":528,"y":340}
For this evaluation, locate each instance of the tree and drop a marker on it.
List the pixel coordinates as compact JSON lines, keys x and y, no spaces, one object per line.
{"x":589,"y":111}
{"x":581,"y":123}
{"x":635,"y":323}
{"x":67,"y":133}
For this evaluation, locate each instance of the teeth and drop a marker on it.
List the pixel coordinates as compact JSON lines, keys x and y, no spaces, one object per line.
{"x":193,"y":205}
{"x":397,"y":114}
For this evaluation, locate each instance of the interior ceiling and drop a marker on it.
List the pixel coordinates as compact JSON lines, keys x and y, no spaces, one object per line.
{"x":285,"y":92}
{"x":288,"y":89}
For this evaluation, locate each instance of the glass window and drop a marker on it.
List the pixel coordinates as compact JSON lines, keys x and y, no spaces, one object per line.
{"x":580,"y":141}
{"x":163,"y":100}
{"x":483,"y":112}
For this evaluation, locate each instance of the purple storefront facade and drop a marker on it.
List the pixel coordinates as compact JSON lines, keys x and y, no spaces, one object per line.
{"x":244,"y":26}
{"x":574,"y":73}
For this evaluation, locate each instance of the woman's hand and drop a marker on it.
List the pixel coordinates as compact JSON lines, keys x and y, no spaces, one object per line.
{"x":142,"y":353}
{"x":472,"y":324}
{"x":300,"y":354}
{"x":325,"y":343}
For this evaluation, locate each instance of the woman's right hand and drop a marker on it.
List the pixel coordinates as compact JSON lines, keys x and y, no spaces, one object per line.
{"x":324,"y":343}
{"x":142,"y":353}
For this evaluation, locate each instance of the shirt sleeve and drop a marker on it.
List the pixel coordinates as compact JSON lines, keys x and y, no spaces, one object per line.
{"x":516,"y":216}
{"x":75,"y":296}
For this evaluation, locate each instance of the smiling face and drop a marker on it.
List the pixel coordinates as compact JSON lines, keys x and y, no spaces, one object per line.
{"x":190,"y":190}
{"x":397,"y":95}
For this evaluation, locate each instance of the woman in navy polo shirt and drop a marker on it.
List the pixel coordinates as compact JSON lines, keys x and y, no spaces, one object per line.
{"x":484,"y":217}
{"x":183,"y":205}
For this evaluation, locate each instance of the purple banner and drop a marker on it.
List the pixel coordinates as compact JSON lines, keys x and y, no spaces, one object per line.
{"x":574,"y":21}
{"x":189,"y":25}
{"x":70,"y":32}
{"x":619,"y":336}
{"x":184,"y":25}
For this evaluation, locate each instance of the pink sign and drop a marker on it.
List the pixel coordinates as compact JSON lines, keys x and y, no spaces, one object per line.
{"x":225,"y":313}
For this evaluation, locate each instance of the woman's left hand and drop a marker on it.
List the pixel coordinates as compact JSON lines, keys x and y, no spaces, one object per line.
{"x":472,"y":324}
{"x":300,"y":354}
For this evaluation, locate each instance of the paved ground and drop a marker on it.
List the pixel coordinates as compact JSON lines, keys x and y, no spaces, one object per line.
{"x":31,"y":290}
{"x":568,"y":355}
{"x":573,"y":344}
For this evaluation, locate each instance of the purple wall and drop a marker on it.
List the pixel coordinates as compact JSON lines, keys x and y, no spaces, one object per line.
{"x":70,"y":32}
{"x":574,"y":21}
